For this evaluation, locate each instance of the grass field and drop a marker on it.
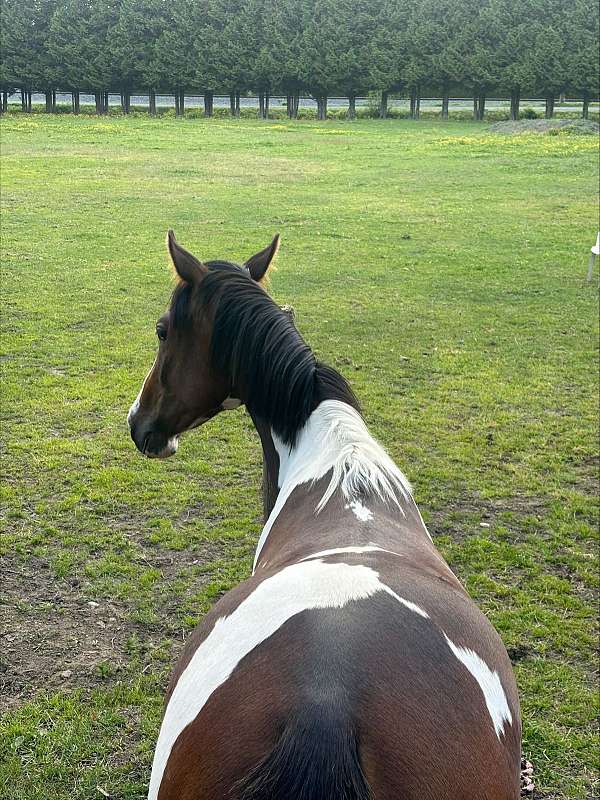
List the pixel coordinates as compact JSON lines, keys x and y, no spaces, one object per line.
{"x":439,"y":267}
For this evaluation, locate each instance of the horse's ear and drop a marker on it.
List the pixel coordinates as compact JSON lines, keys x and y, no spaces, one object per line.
{"x":186,"y":265}
{"x":258,"y":265}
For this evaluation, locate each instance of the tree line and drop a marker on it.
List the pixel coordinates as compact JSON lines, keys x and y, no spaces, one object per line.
{"x":319,"y":48}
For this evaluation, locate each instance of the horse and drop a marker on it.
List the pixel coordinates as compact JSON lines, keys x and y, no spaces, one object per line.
{"x":351,"y":664}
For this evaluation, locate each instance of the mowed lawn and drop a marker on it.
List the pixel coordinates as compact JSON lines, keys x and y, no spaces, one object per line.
{"x":439,"y":267}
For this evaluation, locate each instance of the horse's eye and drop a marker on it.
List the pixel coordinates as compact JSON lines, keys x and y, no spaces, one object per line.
{"x":161,"y":333}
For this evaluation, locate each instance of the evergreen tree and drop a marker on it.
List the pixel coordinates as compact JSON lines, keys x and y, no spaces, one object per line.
{"x":513,"y":54}
{"x":548,"y":51}
{"x":478,"y":42}
{"x":444,"y":20}
{"x":27,"y":63}
{"x":320,"y":57}
{"x":419,"y":44}
{"x":138,"y":28}
{"x":388,"y":50}
{"x":258,"y":29}
{"x":11,"y":36}
{"x":286,"y":29}
{"x":582,"y":64}
{"x":176,"y":52}
{"x":80,"y":41}
{"x":352,"y":45}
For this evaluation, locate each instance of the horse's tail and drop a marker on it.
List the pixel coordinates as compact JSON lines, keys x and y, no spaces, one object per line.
{"x":315,"y":758}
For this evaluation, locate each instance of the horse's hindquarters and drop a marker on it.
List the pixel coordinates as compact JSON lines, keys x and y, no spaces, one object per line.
{"x":373,"y":674}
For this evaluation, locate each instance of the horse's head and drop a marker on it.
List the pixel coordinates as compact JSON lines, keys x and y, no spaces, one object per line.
{"x":183,"y":389}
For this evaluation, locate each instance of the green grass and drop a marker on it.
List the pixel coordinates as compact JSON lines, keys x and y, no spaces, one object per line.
{"x":441,"y":268}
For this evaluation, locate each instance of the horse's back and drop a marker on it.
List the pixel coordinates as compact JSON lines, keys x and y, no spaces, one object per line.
{"x":391,"y":697}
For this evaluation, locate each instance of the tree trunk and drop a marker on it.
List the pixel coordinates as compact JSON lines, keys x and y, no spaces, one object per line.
{"x":263,"y":105}
{"x":4,"y":106}
{"x":586,"y":105}
{"x":562,"y":98}
{"x":237,"y":104}
{"x":295,"y":105}
{"x":98,"y":102}
{"x":232,"y":104}
{"x":48,"y":102}
{"x":208,"y":104}
{"x":23,"y":100}
{"x":549,"y":106}
{"x":182,"y":102}
{"x":475,"y":107}
{"x":445,"y":102}
{"x":351,"y":106}
{"x":383,"y":107}
{"x":106,"y":102}
{"x":75,"y":102}
{"x":152,"y":102}
{"x":125,"y":100}
{"x":322,"y":107}
{"x":176,"y":102}
{"x":515,"y":100}
{"x":481,"y":107}
{"x":54,"y":101}
{"x":288,"y":105}
{"x":415,"y":102}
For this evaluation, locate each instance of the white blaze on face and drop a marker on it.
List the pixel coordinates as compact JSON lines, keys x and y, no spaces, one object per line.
{"x":489,"y":683}
{"x":135,"y":406}
{"x":297,"y":588}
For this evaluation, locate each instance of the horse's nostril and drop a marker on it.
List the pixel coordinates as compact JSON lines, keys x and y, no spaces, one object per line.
{"x":145,"y":443}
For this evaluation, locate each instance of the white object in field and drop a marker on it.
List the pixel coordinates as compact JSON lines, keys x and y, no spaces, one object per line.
{"x":595,"y":252}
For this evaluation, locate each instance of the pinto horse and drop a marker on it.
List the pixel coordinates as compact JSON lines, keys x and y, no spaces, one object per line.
{"x":351,"y":665}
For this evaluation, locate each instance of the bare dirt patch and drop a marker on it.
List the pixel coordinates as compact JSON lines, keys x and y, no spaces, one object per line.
{"x":471,"y":514}
{"x":53,"y":636}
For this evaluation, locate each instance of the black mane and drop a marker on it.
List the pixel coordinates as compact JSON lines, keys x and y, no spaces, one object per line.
{"x":256,"y":345}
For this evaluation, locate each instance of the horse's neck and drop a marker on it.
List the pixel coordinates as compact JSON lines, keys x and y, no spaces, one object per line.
{"x":334,"y":445}
{"x":270,"y":470}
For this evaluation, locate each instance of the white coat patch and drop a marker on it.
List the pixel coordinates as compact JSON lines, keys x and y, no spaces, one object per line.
{"x":297,"y":588}
{"x":489,"y":683}
{"x":360,"y":512}
{"x":367,"y":548}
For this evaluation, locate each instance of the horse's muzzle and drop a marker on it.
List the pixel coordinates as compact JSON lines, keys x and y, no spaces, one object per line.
{"x":150,"y":442}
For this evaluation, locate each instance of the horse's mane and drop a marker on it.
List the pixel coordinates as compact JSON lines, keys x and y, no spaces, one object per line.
{"x":256,"y":345}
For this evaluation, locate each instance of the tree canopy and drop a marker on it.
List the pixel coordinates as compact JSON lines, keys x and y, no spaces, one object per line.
{"x":316,"y":47}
